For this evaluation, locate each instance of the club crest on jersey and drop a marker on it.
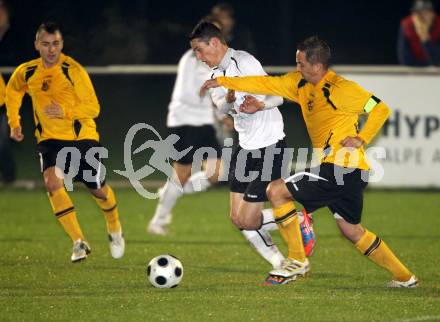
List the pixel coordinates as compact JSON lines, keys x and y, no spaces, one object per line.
{"x":310,"y":102}
{"x":310,"y":105}
{"x":46,"y":85}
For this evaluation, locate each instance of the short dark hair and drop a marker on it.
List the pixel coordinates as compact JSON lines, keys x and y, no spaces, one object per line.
{"x":205,"y":31}
{"x":50,"y":27}
{"x":316,"y":50}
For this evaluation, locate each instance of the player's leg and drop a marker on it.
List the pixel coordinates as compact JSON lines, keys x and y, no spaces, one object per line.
{"x":168,"y":196}
{"x":348,"y":210}
{"x":286,"y":217}
{"x":106,"y":200}
{"x":202,"y":137}
{"x":205,"y":178}
{"x":259,"y":238}
{"x":65,"y":213}
{"x":377,"y":251}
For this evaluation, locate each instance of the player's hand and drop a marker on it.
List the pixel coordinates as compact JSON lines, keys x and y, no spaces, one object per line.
{"x":54,"y":110}
{"x":230,"y":96}
{"x":16,"y":134}
{"x":211,"y":83}
{"x":352,"y":142}
{"x":251,"y":105}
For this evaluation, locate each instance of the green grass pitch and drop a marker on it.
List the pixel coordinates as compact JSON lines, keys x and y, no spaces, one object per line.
{"x":221,"y":271}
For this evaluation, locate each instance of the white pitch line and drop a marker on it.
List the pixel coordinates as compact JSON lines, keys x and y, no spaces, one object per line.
{"x":421,"y":318}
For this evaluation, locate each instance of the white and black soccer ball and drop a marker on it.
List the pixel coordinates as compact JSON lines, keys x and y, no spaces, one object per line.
{"x":165,"y":271}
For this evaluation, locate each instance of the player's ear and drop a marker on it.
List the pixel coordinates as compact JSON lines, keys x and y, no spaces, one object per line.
{"x":215,"y":42}
{"x":318,"y":67}
{"x":37,"y":45}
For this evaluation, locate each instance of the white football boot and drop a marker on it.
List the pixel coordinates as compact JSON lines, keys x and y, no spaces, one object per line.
{"x":411,"y":283}
{"x":117,"y":244}
{"x":291,"y":269}
{"x":159,"y":227}
{"x":80,"y":250}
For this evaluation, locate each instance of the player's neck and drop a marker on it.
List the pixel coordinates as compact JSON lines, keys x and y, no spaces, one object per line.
{"x":318,"y":77}
{"x":48,"y":65}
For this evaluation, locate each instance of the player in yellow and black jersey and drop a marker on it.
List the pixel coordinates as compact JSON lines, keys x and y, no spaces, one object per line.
{"x":65,"y":106}
{"x":331,"y":106}
{"x":7,"y":160}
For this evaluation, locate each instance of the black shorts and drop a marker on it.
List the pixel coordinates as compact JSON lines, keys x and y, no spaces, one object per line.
{"x":342,"y":193}
{"x":242,"y":163}
{"x":198,"y":137}
{"x":48,"y":151}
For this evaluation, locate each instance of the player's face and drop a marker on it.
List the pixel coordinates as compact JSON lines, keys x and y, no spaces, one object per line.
{"x":307,"y":70}
{"x":49,"y":46}
{"x":207,"y":52}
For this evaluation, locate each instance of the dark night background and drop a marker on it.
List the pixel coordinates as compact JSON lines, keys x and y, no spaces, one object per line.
{"x":153,"y":32}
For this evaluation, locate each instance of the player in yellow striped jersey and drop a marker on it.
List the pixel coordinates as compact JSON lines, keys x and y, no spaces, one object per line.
{"x":331,"y":106}
{"x":65,"y":106}
{"x":2,"y":91}
{"x":7,"y":160}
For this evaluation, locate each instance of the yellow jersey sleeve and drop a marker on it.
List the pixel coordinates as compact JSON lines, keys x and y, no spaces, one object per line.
{"x":87,"y":105}
{"x":2,"y":91}
{"x":15,"y":91}
{"x":355,"y":99}
{"x":285,"y":85}
{"x":376,"y":118}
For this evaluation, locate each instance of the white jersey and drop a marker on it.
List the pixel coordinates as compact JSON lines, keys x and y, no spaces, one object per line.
{"x":186,"y":106}
{"x":258,"y":130}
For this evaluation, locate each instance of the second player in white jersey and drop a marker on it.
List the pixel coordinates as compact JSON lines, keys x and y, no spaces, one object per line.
{"x":186,"y":106}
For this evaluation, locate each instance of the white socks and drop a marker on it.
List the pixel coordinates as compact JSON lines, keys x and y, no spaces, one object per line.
{"x":170,"y":192}
{"x":168,"y":196}
{"x":262,"y":241}
{"x":268,"y":220}
{"x":196,"y":183}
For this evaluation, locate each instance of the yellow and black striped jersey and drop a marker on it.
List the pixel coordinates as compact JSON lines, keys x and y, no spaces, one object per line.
{"x":330,"y":109}
{"x":2,"y":91}
{"x":68,"y":84}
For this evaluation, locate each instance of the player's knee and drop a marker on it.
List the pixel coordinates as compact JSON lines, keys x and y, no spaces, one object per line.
{"x":234,"y":218}
{"x":352,"y":232}
{"x":52,"y":184}
{"x":249,"y":222}
{"x":100,"y":193}
{"x":275,"y":191}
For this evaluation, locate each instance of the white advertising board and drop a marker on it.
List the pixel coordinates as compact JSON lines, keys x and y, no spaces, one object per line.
{"x":411,"y":136}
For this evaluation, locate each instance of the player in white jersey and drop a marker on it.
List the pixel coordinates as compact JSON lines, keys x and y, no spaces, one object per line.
{"x":259,"y":124}
{"x":191,"y":117}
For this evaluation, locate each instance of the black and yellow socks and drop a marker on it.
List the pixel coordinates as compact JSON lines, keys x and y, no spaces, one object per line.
{"x":288,"y":225}
{"x":110,"y":210}
{"x":65,"y":212}
{"x":376,"y":250}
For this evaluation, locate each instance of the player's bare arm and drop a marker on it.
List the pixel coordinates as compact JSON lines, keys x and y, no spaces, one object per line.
{"x":211,"y":83}
{"x":16,"y":134}
{"x":251,"y":105}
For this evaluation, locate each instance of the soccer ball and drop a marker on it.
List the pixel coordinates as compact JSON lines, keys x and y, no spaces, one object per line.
{"x":165,"y":271}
